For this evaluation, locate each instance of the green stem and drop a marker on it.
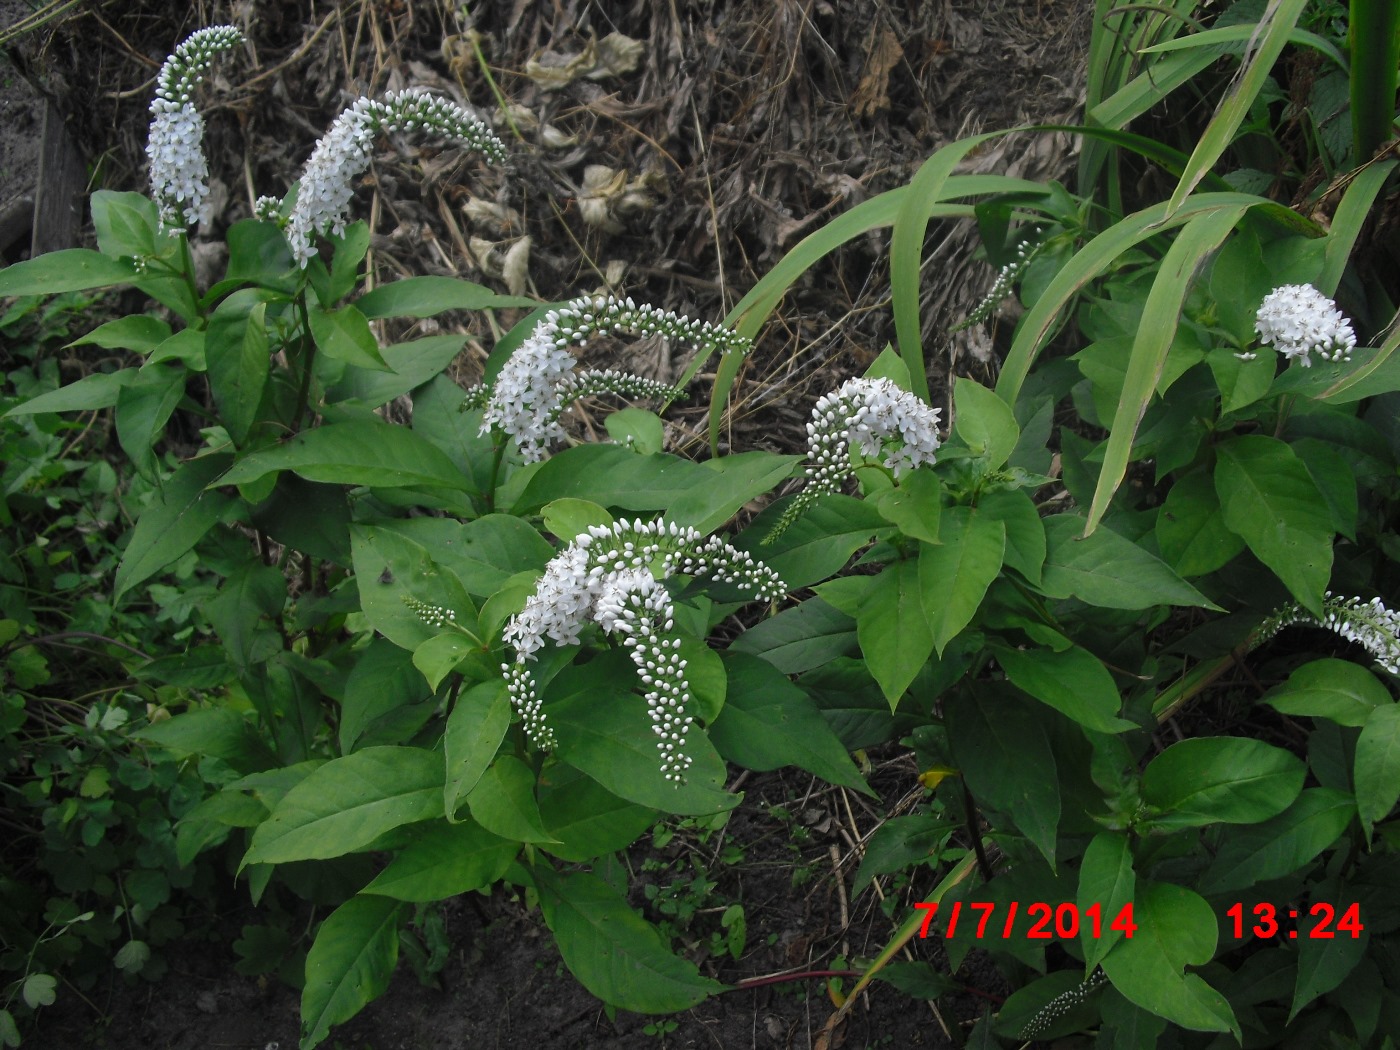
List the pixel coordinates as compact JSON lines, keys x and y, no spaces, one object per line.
{"x":308,"y":345}
{"x":1375,"y":67}
{"x":498,"y":453}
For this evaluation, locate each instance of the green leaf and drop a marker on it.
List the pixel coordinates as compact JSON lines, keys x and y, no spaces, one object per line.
{"x":1190,"y":530}
{"x":817,"y":545}
{"x":429,"y":296}
{"x":390,"y":567}
{"x":98,"y":390}
{"x":613,"y":477}
{"x":725,"y":485}
{"x":258,"y":253}
{"x":383,"y":679}
{"x":143,"y":408}
{"x":914,"y":506}
{"x":442,"y":654}
{"x":615,"y":953}
{"x":1280,"y":846}
{"x":637,"y":429}
{"x":350,"y":247}
{"x":185,"y":346}
{"x":1230,"y":780}
{"x":69,"y":270}
{"x":236,"y":355}
{"x":603,"y":730}
{"x":39,"y":990}
{"x":568,"y":519}
{"x":445,"y":860}
{"x":984,"y":421}
{"x":1378,"y":766}
{"x":1340,"y":690}
{"x":1025,"y":534}
{"x":170,"y":526}
{"x":954,"y":576}
{"x":132,"y":957}
{"x":410,"y":365}
{"x":1072,"y":681}
{"x":503,"y":801}
{"x":1176,"y":928}
{"x":583,"y":818}
{"x":1004,"y":756}
{"x":807,"y":635}
{"x":1106,"y":880}
{"x":1323,"y":964}
{"x":1106,"y":569}
{"x":218,"y":732}
{"x":768,"y":723}
{"x":893,"y":629}
{"x":900,"y":843}
{"x":344,"y":335}
{"x":475,"y":729}
{"x":349,"y":802}
{"x":127,"y":224}
{"x":349,"y":964}
{"x":139,"y":332}
{"x":1270,"y":500}
{"x":9,"y":1031}
{"x":360,"y":452}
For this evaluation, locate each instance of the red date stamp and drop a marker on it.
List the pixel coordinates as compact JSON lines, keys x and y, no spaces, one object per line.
{"x":1046,"y":921}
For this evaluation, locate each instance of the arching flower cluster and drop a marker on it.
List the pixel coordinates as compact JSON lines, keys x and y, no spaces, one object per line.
{"x":538,"y":382}
{"x":175,"y":146}
{"x":1007,"y":277}
{"x":884,"y":421}
{"x":1298,"y":321}
{"x":614,"y":576}
{"x":1368,"y":623}
{"x":343,"y":154}
{"x":1062,"y":1004}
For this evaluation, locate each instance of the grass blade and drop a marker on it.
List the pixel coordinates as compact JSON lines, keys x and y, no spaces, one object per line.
{"x":1347,"y":222}
{"x":1160,"y":316}
{"x":1375,"y":65}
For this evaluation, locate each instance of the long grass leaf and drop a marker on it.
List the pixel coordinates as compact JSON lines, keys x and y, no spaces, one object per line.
{"x":1280,"y":18}
{"x":1148,"y":88}
{"x":1338,"y":392}
{"x":1375,"y":67}
{"x":1034,"y":329}
{"x":1347,"y":222}
{"x":1241,"y":34}
{"x":1160,"y":316}
{"x":907,"y":251}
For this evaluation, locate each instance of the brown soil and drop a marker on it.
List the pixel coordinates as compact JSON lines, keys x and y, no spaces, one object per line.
{"x":743,"y":126}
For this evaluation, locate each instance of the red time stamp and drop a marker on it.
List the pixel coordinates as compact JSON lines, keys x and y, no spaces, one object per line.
{"x":1318,"y":922}
{"x":1046,"y":921}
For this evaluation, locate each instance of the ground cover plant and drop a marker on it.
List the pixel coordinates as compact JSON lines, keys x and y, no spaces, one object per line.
{"x":424,"y":659}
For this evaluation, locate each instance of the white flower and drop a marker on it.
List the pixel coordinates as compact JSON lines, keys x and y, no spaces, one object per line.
{"x":343,"y":153}
{"x":179,"y":171}
{"x":538,"y":382}
{"x":614,"y":576}
{"x":1367,"y":623}
{"x":1299,"y":321}
{"x":884,"y":421}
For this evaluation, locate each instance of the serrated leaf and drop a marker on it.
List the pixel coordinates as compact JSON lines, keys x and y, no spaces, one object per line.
{"x":1231,"y":780}
{"x":954,"y":576}
{"x":349,"y":802}
{"x":1378,"y":766}
{"x":445,"y":860}
{"x":349,"y":964}
{"x":1176,"y":928}
{"x":1269,"y":499}
{"x":768,"y":723}
{"x":615,"y":953}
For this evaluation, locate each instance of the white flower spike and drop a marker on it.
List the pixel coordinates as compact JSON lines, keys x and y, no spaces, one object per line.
{"x":538,"y":382}
{"x":1299,"y":321}
{"x":1367,"y":623}
{"x":343,"y":153}
{"x":883,"y":420}
{"x":613,"y":575}
{"x":179,"y":171}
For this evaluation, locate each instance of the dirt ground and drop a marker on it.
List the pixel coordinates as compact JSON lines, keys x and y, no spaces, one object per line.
{"x":672,"y":152}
